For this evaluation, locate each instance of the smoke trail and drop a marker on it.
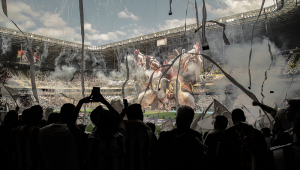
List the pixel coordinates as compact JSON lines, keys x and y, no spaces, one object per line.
{"x":45,"y":52}
{"x":5,"y":44}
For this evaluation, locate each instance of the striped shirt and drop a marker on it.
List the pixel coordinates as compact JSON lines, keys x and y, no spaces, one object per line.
{"x":138,"y":146}
{"x":27,"y":147}
{"x":285,"y":157}
{"x":106,"y":154}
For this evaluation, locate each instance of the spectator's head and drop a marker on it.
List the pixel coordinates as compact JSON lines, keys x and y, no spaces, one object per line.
{"x":53,"y":118}
{"x":238,"y":116}
{"x":65,"y":112}
{"x":11,"y":119}
{"x":134,"y":111}
{"x":221,"y":122}
{"x":95,"y":113}
{"x":106,"y":123}
{"x":26,"y":115}
{"x":36,"y":114}
{"x":292,"y":110}
{"x":185,"y":116}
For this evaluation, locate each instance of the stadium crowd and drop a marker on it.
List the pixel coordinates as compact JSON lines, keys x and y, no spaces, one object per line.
{"x":58,"y":142}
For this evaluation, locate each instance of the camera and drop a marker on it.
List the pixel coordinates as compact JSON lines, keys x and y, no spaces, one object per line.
{"x":95,"y":95}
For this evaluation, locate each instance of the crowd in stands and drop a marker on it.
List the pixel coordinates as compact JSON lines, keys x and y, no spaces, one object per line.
{"x":34,"y":141}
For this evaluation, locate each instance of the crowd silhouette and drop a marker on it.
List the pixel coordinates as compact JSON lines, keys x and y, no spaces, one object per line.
{"x":60,"y":143}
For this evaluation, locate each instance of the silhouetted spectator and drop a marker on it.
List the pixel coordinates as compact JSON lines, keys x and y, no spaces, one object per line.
{"x":233,"y":153}
{"x":213,"y":137}
{"x":53,"y":118}
{"x":26,"y":141}
{"x":287,"y":156}
{"x":9,"y":123}
{"x":105,"y":149}
{"x":268,"y":137}
{"x":57,"y":143}
{"x":26,"y":114}
{"x":140,"y":140}
{"x":184,"y":119}
{"x":94,"y":116}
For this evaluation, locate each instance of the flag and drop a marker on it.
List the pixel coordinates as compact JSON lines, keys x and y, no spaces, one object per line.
{"x":167,"y":126}
{"x":208,"y":123}
{"x":195,"y":125}
{"x":36,"y":56}
{"x":9,"y":92}
{"x":20,"y":53}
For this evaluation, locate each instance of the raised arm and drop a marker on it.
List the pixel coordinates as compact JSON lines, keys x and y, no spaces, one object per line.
{"x":74,"y":115}
{"x":110,"y":108}
{"x":266,"y":108}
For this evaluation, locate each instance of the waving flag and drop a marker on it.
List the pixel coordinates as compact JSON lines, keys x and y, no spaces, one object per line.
{"x":20,"y":53}
{"x":167,"y":126}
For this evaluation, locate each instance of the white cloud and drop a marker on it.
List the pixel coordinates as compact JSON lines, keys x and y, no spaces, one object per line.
{"x":20,"y":13}
{"x":66,"y":33}
{"x":52,"y":20}
{"x":88,"y":28}
{"x":85,"y":42}
{"x":236,"y":6}
{"x":110,"y":36}
{"x":126,"y":14}
{"x":174,"y":23}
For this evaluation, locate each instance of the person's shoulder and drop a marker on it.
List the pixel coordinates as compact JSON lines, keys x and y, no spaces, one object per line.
{"x":136,"y":124}
{"x":280,"y":147}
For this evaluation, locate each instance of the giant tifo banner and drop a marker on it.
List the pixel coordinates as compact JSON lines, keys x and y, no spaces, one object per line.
{"x":23,"y":56}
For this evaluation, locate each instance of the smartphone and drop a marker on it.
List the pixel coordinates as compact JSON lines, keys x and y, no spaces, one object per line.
{"x":125,"y":102}
{"x":95,"y":94}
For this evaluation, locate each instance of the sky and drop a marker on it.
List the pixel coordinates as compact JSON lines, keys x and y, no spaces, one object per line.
{"x":108,"y":21}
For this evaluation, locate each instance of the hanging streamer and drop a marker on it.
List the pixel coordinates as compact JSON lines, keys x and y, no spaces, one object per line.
{"x":225,"y":39}
{"x":205,"y":45}
{"x":197,"y":18}
{"x":82,"y":54}
{"x":82,"y":50}
{"x":177,"y":82}
{"x":270,"y":51}
{"x":249,"y":71}
{"x":170,"y":12}
{"x":127,"y":69}
{"x":32,"y":70}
